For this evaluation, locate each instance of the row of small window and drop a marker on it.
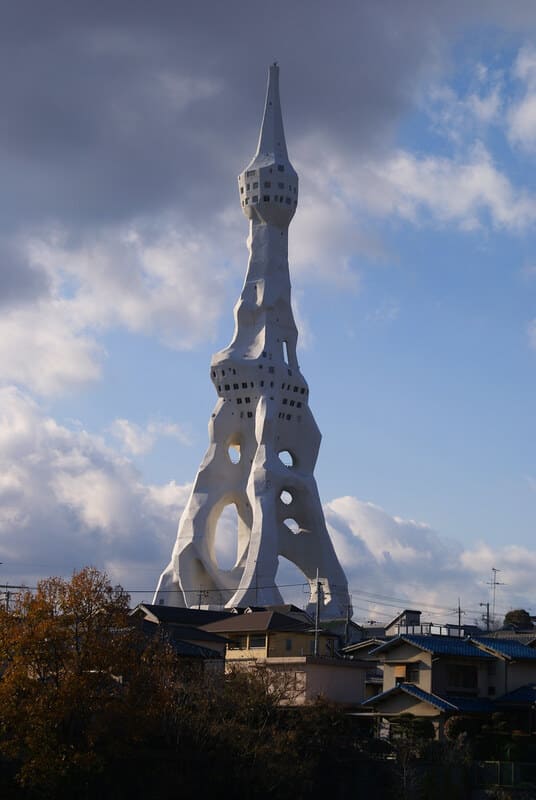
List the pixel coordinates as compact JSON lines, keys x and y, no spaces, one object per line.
{"x":251,"y":172}
{"x":282,"y":415}
{"x":291,"y":403}
{"x":267,"y":185}
{"x":233,"y":371}
{"x":241,"y":642}
{"x":266,"y":199}
{"x":227,"y":386}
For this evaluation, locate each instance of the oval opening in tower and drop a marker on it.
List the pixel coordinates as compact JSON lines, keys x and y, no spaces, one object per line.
{"x":286,"y":458}
{"x":285,"y":351}
{"x":226,"y":537}
{"x":292,"y":525}
{"x":234,"y":452}
{"x":286,"y":497}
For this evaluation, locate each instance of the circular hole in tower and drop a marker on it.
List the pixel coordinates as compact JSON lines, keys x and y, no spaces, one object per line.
{"x":285,"y":497}
{"x":234,"y":453}
{"x":286,"y":458}
{"x":292,"y":525}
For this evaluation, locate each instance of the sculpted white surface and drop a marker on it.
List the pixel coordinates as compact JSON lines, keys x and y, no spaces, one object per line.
{"x":262,"y":411}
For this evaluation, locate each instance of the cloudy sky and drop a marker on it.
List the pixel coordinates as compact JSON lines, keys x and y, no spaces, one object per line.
{"x":122,"y":250}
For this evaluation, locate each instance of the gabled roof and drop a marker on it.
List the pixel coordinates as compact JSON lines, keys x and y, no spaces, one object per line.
{"x":364,"y":648}
{"x":260,"y":621}
{"x":510,"y":649}
{"x":413,"y":691}
{"x":528,"y":638}
{"x":467,"y":704}
{"x":523,"y":695}
{"x":173,"y":615}
{"x":437,"y":645}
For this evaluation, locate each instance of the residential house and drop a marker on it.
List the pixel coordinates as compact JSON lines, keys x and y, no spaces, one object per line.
{"x":287,"y":644}
{"x":436,"y":676}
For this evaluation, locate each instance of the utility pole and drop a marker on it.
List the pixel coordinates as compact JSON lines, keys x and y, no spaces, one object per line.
{"x":486,"y":616}
{"x":317,"y":612}
{"x":459,"y":615}
{"x":494,"y":583}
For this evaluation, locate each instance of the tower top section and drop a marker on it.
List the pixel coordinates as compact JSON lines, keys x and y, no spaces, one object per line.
{"x":269,"y":185}
{"x":272,"y":143}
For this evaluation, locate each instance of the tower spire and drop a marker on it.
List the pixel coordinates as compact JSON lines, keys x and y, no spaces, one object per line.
{"x":272,"y":134}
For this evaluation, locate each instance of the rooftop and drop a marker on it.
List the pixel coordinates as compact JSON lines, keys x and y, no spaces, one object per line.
{"x":437,"y":645}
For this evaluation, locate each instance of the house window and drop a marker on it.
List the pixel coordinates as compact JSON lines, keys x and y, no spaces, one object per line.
{"x":258,"y":641}
{"x":288,"y":645}
{"x":412,"y":673}
{"x":238,"y":643}
{"x":462,"y":676}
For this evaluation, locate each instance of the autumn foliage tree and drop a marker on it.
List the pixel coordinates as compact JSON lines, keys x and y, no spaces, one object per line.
{"x":80,"y":689}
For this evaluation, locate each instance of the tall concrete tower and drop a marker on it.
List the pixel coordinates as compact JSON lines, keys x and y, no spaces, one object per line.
{"x":263,"y":439}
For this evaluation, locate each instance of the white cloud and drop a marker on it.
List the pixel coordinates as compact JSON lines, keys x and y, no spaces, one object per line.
{"x":464,"y":192}
{"x":170,"y":285}
{"x":137,"y":440}
{"x":67,"y":500}
{"x":522,"y":114}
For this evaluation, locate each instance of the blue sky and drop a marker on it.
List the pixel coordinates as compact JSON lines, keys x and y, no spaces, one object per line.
{"x":122,"y":251}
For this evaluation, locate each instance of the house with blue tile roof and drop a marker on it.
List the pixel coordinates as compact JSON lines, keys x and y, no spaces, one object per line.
{"x":437,"y":676}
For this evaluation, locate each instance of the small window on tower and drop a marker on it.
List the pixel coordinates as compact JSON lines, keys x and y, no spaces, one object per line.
{"x":287,"y":201}
{"x":266,"y":198}
{"x":244,"y":385}
{"x":285,"y":401}
{"x":255,"y":185}
{"x":227,"y":387}
{"x":289,"y":416}
{"x":250,"y":414}
{"x":247,"y":400}
{"x":280,"y":168}
{"x":239,"y":401}
{"x":267,"y":184}
{"x":235,"y":386}
{"x":302,"y":391}
{"x":246,"y":201}
{"x":249,"y":173}
{"x":241,"y":190}
{"x":280,"y":185}
{"x":248,"y":186}
{"x":255,"y":199}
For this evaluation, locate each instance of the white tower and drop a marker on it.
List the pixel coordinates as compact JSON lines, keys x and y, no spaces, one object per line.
{"x":264,"y":440}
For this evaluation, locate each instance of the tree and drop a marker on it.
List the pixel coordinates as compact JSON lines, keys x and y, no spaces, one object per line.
{"x":80,"y":688}
{"x":518,"y":618}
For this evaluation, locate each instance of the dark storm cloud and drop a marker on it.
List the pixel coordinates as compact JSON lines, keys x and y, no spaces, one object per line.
{"x":123,"y":108}
{"x":117,"y":109}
